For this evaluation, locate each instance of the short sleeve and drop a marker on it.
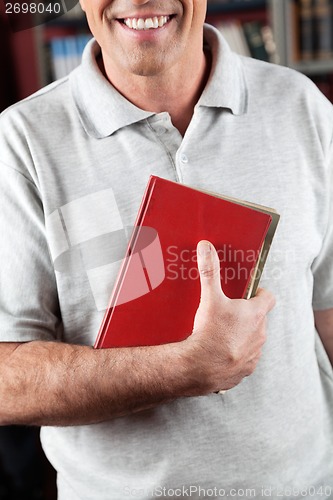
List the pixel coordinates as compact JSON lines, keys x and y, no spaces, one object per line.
{"x":323,"y":265}
{"x":28,"y":299}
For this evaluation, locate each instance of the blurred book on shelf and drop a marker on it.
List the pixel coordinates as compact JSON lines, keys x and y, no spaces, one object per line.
{"x":312,"y":24}
{"x":66,"y":53}
{"x":234,"y":35}
{"x":254,"y":39}
{"x":253,"y":35}
{"x":322,"y":19}
{"x":245,"y":24}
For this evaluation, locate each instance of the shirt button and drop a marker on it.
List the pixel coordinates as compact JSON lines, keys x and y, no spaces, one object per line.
{"x":161,"y":130}
{"x":183,"y":158}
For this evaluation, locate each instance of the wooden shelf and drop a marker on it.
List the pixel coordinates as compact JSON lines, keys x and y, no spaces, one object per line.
{"x":255,"y":10}
{"x":29,"y":48}
{"x":220,"y":8}
{"x":314,"y":67}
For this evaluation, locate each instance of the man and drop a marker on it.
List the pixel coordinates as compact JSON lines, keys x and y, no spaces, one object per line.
{"x":151,"y":98}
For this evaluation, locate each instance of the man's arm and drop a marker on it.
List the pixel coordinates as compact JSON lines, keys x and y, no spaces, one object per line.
{"x":49,"y":383}
{"x":324,"y":325}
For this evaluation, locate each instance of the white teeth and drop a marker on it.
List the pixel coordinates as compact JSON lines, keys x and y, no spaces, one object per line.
{"x":141,"y":24}
{"x":146,"y":24}
{"x":149,"y":23}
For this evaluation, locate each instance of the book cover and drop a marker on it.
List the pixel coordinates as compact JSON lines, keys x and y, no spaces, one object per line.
{"x":157,"y":291}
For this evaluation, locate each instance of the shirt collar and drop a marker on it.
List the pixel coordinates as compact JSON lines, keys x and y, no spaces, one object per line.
{"x":226,"y":86}
{"x":103,"y":110}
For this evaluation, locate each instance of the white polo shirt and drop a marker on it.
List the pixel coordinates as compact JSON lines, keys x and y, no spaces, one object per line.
{"x":74,"y":161}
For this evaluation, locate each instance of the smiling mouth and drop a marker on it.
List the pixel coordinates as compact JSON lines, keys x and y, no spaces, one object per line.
{"x":148,"y":23}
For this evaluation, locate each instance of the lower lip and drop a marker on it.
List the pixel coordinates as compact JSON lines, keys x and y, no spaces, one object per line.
{"x":146,"y":34}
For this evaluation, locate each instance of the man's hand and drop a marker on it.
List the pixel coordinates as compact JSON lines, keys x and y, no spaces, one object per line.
{"x":228,"y":334}
{"x":50,"y":383}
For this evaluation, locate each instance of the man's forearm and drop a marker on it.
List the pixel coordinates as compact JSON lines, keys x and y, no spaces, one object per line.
{"x":48,"y":383}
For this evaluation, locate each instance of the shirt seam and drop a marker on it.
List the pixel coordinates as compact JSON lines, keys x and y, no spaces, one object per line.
{"x":18,"y":172}
{"x":330,"y":179}
{"x":37,"y":95}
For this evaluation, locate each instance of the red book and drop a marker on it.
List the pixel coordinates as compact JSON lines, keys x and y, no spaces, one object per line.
{"x":157,"y":291}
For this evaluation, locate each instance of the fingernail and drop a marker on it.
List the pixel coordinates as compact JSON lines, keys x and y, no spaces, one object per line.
{"x":204,"y":249}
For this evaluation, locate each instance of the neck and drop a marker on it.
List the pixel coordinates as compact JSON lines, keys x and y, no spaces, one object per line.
{"x":176,"y":92}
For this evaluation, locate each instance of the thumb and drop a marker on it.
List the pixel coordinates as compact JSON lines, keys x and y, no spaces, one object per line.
{"x":209,"y":270}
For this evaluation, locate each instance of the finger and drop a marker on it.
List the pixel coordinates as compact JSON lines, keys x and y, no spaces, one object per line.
{"x":209,"y":270}
{"x":263,"y":300}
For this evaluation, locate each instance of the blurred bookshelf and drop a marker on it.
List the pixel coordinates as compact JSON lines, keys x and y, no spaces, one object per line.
{"x":304,"y":39}
{"x":303,"y":33}
{"x":246,"y":26}
{"x":295,"y":33}
{"x":60,"y":43}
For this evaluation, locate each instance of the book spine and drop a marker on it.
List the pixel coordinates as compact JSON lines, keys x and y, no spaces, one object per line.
{"x":58,"y":58}
{"x":306,"y":15}
{"x":233,"y":33}
{"x":66,"y":53}
{"x":322,"y":29}
{"x":293,"y":14}
{"x":122,"y":272}
{"x":253,"y":35}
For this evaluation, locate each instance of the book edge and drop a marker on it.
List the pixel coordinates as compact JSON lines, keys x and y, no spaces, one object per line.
{"x":122,"y":271}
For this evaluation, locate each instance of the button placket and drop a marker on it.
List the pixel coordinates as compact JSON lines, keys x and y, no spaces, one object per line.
{"x":183,"y":158}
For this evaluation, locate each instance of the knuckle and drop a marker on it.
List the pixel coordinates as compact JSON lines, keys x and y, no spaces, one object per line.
{"x":250,"y":369}
{"x":252,"y":365}
{"x":265,"y":298}
{"x":235,"y":355}
{"x":208,"y":272}
{"x":259,"y":317}
{"x":233,"y":358}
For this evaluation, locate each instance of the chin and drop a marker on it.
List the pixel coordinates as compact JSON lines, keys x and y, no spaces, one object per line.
{"x":148,"y":61}
{"x":146,"y":72}
{"x":146,"y":69}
